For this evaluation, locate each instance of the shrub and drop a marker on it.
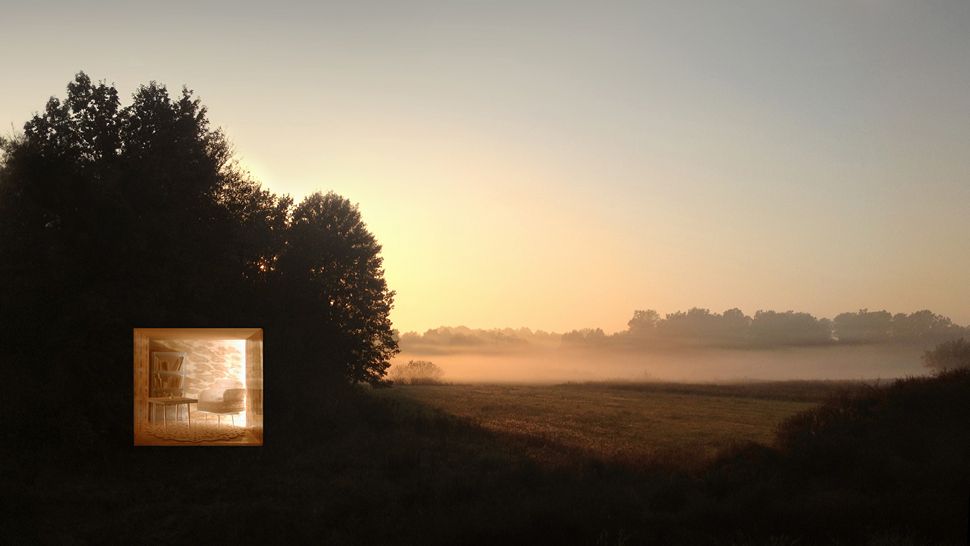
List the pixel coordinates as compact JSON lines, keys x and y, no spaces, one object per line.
{"x":949,"y":355}
{"x":416,"y":372}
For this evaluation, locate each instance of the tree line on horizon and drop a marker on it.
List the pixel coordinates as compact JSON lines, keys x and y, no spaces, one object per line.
{"x":450,"y":338}
{"x":700,"y":327}
{"x":734,"y":329}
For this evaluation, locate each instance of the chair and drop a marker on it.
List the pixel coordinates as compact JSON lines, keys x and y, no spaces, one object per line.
{"x":221,"y":401}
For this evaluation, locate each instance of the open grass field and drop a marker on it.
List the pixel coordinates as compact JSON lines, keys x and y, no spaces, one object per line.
{"x":871,"y":466}
{"x":663,"y":422}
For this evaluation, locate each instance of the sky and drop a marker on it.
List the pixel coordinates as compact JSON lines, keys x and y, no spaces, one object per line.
{"x":557,"y":165}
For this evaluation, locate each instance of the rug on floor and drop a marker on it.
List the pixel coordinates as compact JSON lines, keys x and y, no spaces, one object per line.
{"x":197,"y":432}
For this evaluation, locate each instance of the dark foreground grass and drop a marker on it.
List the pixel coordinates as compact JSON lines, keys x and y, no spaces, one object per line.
{"x":875,"y":466}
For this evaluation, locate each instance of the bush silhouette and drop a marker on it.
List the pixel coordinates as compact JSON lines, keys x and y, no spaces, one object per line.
{"x":949,"y":355}
{"x":416,"y":372}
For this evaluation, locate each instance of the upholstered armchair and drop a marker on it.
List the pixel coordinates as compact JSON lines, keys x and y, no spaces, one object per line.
{"x":221,"y":400}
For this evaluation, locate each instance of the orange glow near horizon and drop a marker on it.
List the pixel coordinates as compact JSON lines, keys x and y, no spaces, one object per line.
{"x":511,"y":246}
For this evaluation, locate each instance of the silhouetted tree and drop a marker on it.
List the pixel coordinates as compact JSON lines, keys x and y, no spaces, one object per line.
{"x":333,"y":270}
{"x":688,"y":327}
{"x":949,"y":355}
{"x":108,"y":220}
{"x":923,"y":326}
{"x":116,"y":217}
{"x":863,"y":327}
{"x":589,"y":337}
{"x":734,"y":327}
{"x":790,"y":328}
{"x":463,"y":339}
{"x":643,"y":325}
{"x":417,"y":372}
{"x":702,"y":327}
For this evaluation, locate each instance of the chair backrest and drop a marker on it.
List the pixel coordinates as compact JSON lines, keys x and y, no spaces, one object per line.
{"x":234,"y":395}
{"x":234,"y":400}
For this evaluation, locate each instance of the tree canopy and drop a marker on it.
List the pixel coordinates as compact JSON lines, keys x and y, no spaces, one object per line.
{"x":700,"y":327}
{"x":119,"y":216}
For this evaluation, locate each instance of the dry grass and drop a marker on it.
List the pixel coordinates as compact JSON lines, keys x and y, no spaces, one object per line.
{"x":621,"y":421}
{"x":884,"y":465}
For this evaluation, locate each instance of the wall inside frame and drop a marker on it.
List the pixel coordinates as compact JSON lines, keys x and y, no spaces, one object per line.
{"x":254,"y":384}
{"x":207,"y":362}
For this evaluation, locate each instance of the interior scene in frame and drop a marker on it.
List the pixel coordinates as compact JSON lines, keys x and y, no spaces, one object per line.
{"x":198,"y":386}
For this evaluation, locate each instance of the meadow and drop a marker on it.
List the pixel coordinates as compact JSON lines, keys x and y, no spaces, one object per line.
{"x":862,"y":464}
{"x":633,"y":422}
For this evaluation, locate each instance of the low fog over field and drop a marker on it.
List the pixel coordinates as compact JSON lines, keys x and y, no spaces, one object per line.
{"x":696,"y":345}
{"x":552,"y":365}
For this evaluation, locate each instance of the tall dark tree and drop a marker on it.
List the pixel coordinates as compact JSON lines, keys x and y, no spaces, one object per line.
{"x":114,"y":217}
{"x":334,"y":273}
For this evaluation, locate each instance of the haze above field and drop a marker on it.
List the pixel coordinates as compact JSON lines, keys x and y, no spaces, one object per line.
{"x":692,"y":345}
{"x":560,"y":164}
{"x":687,"y":365}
